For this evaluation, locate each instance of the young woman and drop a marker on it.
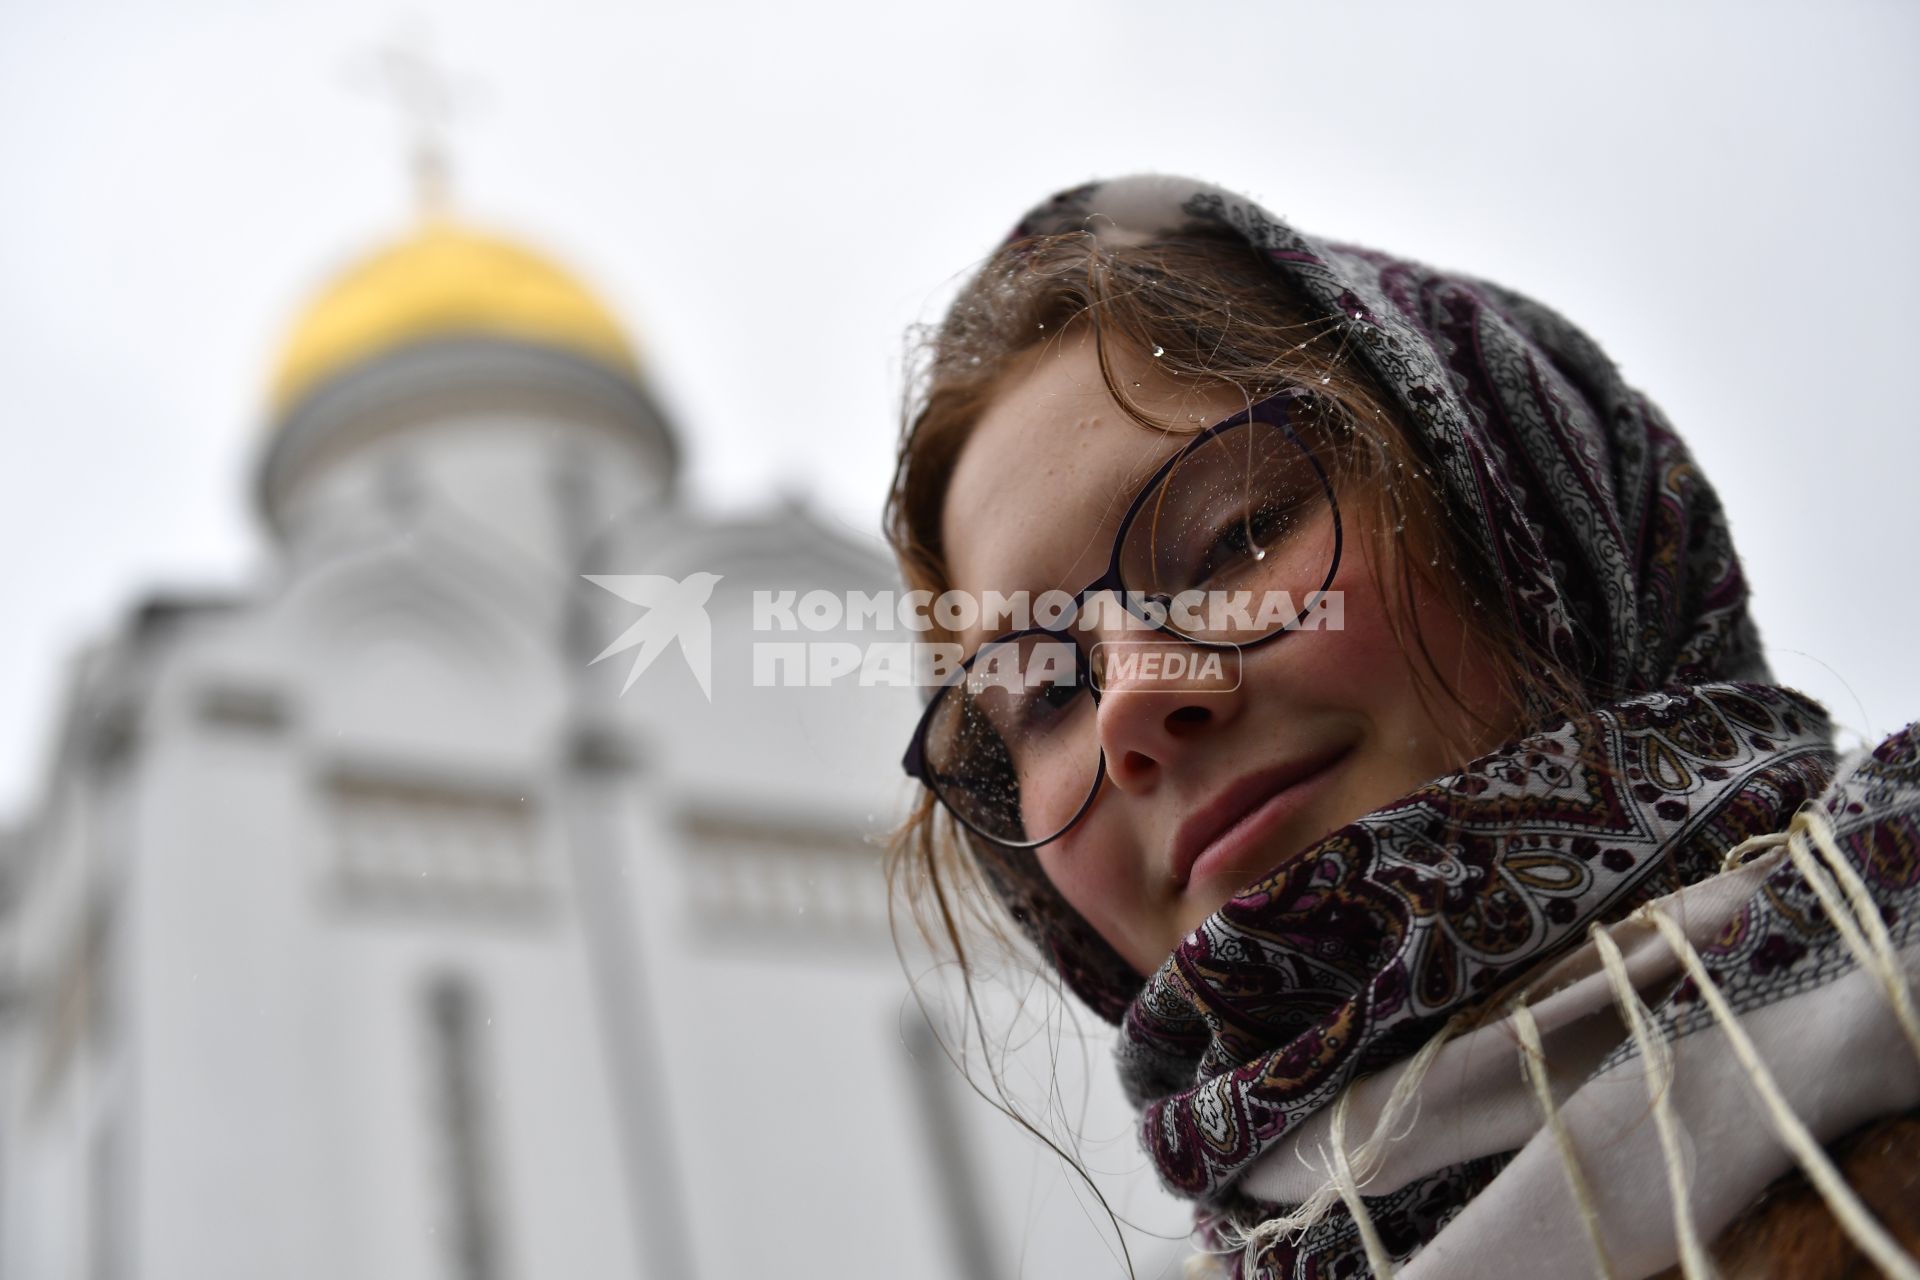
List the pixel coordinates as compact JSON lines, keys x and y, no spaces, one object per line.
{"x":1415,"y":910}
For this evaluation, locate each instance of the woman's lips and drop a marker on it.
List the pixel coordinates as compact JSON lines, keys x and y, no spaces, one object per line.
{"x":1224,"y":832}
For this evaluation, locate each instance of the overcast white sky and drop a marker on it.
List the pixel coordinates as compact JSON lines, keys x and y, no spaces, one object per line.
{"x":1724,"y":194}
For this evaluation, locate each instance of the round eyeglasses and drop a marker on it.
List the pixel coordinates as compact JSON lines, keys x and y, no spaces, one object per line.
{"x":1223,"y":547}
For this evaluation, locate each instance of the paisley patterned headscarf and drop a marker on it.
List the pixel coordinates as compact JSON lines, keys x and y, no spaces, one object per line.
{"x":1614,"y":557}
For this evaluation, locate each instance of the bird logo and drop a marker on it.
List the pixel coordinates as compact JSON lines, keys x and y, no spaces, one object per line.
{"x":675,"y":610}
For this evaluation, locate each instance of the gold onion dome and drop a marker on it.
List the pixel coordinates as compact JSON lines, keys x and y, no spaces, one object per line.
{"x":444,"y":281}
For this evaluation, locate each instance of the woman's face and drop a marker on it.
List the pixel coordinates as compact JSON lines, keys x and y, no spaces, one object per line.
{"x":1208,"y":787}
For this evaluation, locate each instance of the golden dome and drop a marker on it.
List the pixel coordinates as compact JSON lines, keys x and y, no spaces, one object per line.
{"x":444,"y":280}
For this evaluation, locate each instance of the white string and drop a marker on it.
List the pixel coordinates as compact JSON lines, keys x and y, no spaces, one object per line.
{"x":1752,"y":844}
{"x":1251,"y":1242}
{"x":1659,"y":1059}
{"x":1533,"y":1058}
{"x":1372,"y":1153}
{"x":1343,"y":1180}
{"x":1853,"y":1217}
{"x":1369,"y":1155}
{"x":1860,"y":927}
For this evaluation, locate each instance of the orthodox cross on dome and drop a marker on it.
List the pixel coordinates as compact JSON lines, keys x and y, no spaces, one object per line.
{"x":405,"y":73}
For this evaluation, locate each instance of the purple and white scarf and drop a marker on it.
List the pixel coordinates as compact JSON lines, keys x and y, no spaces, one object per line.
{"x":1615,"y":557}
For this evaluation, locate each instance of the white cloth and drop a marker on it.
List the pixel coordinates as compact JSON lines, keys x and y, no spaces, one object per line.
{"x":1475,"y":1101}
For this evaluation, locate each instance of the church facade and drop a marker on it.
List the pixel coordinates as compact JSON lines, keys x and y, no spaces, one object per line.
{"x":366,"y":926}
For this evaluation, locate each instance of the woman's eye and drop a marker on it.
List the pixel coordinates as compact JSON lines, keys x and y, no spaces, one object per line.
{"x":1028,"y":703}
{"x":1244,"y":538}
{"x":1046,"y":702}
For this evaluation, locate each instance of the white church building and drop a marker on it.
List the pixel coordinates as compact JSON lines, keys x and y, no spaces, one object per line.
{"x":362,"y":927}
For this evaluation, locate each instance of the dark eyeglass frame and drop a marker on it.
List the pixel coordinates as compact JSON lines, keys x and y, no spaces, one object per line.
{"x":1273,"y":412}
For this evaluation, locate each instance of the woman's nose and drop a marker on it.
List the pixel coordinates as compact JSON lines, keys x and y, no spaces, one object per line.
{"x":1158,"y":697}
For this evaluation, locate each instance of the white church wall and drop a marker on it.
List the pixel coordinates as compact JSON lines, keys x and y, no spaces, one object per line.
{"x":832,"y":751}
{"x":62,"y":1054}
{"x":790,"y":1114}
{"x":407,"y":648}
{"x":48,"y":1195}
{"x":284,"y":1043}
{"x":226,"y":1001}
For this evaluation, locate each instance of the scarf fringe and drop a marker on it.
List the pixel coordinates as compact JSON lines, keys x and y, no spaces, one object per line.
{"x":1810,"y":842}
{"x":1345,"y":1176}
{"x":1858,"y":919}
{"x":1658,"y":1055}
{"x":1868,"y":1235}
{"x":1533,"y":1058}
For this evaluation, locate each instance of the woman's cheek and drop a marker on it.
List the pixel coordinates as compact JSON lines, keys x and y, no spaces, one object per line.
{"x":1356,"y":667}
{"x":1096,"y":869}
